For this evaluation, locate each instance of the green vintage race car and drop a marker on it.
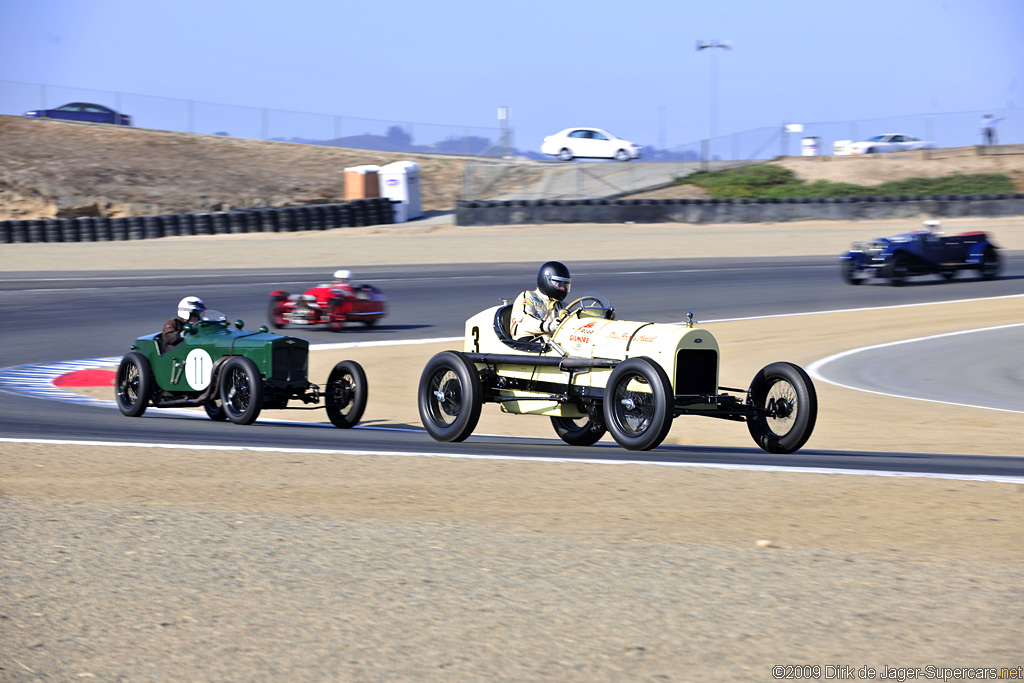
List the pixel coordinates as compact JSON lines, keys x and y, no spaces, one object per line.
{"x":234,"y":374}
{"x":597,"y":374}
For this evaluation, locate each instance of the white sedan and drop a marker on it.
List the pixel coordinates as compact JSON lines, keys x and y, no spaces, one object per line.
{"x":890,"y":142}
{"x":589,"y":143}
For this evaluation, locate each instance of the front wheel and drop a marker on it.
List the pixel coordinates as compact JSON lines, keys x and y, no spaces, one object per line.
{"x":579,"y":431}
{"x":852,"y":272}
{"x":565,"y":154}
{"x":622,"y":155}
{"x":450,"y":397}
{"x":134,"y":384}
{"x":786,"y":408}
{"x":346,"y":394}
{"x":638,"y":404}
{"x":241,"y":390}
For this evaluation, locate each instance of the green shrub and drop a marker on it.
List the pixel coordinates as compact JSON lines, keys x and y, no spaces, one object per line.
{"x":764,"y":181}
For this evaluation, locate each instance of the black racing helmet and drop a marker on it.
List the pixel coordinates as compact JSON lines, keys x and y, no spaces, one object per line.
{"x":553,"y":280}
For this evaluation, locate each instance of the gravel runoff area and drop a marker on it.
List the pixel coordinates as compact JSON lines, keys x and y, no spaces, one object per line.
{"x":130,"y":563}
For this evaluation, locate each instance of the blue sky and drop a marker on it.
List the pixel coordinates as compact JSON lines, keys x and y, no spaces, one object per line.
{"x":629,"y":67}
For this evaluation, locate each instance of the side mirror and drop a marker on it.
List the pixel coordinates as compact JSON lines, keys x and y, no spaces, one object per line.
{"x":239,"y":324}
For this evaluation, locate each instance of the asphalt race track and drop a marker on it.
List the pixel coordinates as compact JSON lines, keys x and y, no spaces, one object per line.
{"x":65,"y":316}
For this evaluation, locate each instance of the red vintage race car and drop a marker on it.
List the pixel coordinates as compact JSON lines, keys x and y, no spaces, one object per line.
{"x":333,"y":304}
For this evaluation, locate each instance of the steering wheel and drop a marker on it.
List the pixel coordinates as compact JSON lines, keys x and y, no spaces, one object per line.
{"x":589,"y":302}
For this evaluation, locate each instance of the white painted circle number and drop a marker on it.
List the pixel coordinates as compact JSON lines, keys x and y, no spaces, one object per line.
{"x":198,"y":365}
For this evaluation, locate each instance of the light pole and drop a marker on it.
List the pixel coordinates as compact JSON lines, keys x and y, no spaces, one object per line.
{"x":725,"y":45}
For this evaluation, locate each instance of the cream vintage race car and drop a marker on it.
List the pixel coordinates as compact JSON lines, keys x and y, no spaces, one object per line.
{"x":599,"y":374}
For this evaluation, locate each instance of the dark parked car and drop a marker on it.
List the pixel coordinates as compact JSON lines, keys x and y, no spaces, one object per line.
{"x":84,"y":111}
{"x":234,"y":374}
{"x":921,"y":252}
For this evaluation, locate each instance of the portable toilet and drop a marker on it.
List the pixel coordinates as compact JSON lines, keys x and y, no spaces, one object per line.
{"x":362,"y":182}
{"x":400,"y":182}
{"x":809,"y":146}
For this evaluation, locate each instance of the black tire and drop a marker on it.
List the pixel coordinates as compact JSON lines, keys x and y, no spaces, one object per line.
{"x":787,"y":408}
{"x":134,"y":385}
{"x":345,"y":395}
{"x":241,"y":390}
{"x":852,"y":272}
{"x":638,"y":404}
{"x":948,"y":273}
{"x":989,"y":264}
{"x":897,"y":270}
{"x":275,"y":314}
{"x":622,"y":155}
{"x":215,"y":410}
{"x":564,"y":154}
{"x":450,"y":397}
{"x":578,"y":431}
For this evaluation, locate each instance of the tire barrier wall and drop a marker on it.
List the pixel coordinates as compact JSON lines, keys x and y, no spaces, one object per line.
{"x":544,"y":211}
{"x":356,"y":213}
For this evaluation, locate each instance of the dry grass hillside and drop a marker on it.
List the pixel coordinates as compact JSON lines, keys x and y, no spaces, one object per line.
{"x":60,"y":169}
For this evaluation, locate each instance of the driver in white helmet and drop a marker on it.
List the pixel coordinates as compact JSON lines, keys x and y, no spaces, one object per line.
{"x":537,"y":312}
{"x":190,"y":310}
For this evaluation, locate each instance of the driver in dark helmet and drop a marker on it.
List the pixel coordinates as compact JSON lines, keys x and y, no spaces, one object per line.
{"x":537,"y":312}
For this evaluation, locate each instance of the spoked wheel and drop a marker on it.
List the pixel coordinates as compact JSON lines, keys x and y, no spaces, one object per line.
{"x":450,"y":396}
{"x":579,"y":431}
{"x":215,"y":410}
{"x":134,"y":384}
{"x":241,"y":390}
{"x":276,"y":314}
{"x":989,"y":264}
{"x":346,"y":394}
{"x":638,"y":404}
{"x":898,"y":270}
{"x":787,"y":407}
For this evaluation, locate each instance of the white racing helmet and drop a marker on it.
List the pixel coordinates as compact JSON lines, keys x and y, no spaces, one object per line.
{"x":190,"y":305}
{"x":343,"y":275}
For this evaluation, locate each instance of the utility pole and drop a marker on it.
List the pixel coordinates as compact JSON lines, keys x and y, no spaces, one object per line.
{"x":725,"y":45}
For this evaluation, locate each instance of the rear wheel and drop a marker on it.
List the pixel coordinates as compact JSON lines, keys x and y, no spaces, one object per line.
{"x":989,"y":264}
{"x":897,"y":270}
{"x":565,"y":154}
{"x":787,"y":408}
{"x":638,"y":404}
{"x":241,"y":390}
{"x":579,"y":431}
{"x":337,"y":314}
{"x":215,"y":410}
{"x":450,"y":397}
{"x":134,"y":385}
{"x":622,"y":155}
{"x":276,"y":314}
{"x":346,"y":394}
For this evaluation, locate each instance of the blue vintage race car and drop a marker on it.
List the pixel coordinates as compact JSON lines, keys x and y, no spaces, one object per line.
{"x":921,"y":252}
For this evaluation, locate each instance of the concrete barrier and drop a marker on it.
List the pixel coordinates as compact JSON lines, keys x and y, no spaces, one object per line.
{"x":532,"y":212}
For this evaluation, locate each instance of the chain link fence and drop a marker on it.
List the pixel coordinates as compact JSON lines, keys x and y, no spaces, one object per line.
{"x":191,"y":116}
